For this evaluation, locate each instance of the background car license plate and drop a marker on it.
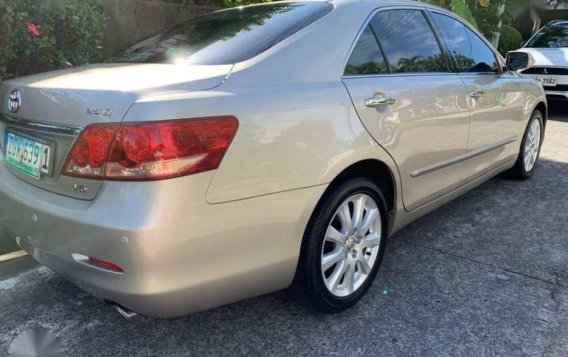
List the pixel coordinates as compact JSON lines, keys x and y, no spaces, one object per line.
{"x":547,"y":81}
{"x":27,"y":155}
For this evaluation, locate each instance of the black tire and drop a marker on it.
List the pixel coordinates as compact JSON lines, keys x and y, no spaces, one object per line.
{"x":308,"y":286}
{"x":519,"y":171}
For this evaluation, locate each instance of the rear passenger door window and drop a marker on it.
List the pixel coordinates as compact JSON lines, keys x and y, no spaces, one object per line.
{"x":470,"y":52}
{"x":408,"y":42}
{"x":367,"y":57}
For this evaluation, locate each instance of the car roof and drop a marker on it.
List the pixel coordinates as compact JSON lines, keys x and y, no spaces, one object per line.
{"x":557,"y":22}
{"x":384,"y":2}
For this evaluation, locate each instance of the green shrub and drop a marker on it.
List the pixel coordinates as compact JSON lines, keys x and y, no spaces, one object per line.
{"x":511,"y":39}
{"x":37,"y":36}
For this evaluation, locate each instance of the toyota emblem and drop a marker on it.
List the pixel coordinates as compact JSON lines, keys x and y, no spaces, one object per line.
{"x":15,"y":101}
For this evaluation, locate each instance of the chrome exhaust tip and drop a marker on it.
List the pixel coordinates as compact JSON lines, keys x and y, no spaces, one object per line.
{"x":123,"y":311}
{"x":127,"y":314}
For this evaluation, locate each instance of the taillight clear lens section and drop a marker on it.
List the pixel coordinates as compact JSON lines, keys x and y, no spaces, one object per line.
{"x":150,"y":151}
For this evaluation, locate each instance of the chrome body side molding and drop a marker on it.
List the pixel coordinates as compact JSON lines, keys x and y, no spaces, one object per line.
{"x":461,"y":158}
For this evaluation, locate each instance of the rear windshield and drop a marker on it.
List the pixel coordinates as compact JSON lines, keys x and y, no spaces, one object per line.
{"x":555,"y":36}
{"x":225,"y":37}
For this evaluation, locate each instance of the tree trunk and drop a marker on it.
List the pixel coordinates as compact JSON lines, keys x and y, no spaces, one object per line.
{"x":497,"y":34}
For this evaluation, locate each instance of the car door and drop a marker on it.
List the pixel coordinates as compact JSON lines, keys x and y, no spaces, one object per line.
{"x":410,"y":102}
{"x":495,"y":98}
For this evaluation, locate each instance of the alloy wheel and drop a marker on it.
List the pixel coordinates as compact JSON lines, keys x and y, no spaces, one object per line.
{"x":532,"y":145}
{"x":351,"y":245}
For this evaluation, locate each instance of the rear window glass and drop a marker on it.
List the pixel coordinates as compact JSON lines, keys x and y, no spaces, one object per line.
{"x":226,"y":37}
{"x":408,"y":42}
{"x":367,"y":57}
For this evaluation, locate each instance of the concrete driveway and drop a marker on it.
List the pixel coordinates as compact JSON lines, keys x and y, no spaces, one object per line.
{"x":486,"y":275}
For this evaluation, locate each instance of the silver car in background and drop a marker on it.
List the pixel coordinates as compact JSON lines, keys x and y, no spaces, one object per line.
{"x":259,"y":148}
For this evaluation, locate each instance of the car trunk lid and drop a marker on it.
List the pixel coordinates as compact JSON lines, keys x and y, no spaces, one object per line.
{"x":54,"y":107}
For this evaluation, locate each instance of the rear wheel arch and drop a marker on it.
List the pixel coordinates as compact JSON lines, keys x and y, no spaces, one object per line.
{"x":308,"y":286}
{"x":375,"y":170}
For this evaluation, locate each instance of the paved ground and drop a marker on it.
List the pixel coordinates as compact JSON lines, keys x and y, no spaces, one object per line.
{"x":486,"y":275}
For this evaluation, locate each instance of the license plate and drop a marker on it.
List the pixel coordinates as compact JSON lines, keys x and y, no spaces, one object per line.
{"x":547,"y":81}
{"x":27,"y":155}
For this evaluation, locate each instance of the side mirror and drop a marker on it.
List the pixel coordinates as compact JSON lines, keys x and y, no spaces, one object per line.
{"x":518,"y":61}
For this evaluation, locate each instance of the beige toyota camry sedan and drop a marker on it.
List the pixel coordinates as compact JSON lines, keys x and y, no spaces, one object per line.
{"x":257,"y":149}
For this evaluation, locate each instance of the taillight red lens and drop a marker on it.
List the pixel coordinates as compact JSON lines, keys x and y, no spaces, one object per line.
{"x":150,"y":151}
{"x":80,"y":153}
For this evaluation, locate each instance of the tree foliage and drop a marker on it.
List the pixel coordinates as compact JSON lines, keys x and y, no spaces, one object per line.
{"x":43,"y":35}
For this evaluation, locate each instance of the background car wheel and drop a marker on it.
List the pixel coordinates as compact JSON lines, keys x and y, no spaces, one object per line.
{"x":343,"y":247}
{"x":530,"y":148}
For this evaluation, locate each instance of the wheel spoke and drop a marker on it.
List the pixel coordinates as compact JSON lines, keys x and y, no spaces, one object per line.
{"x":335,"y":236}
{"x":527,"y":162}
{"x":336,"y":276}
{"x":364,"y":265}
{"x":359,"y":211}
{"x":332,"y":258}
{"x":348,"y":279}
{"x":369,"y":219}
{"x":371,"y":241}
{"x":345,"y":218}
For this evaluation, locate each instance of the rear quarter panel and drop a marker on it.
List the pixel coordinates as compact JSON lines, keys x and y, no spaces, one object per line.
{"x":289,"y":137}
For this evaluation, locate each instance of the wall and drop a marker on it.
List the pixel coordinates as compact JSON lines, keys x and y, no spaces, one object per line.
{"x":133,"y":20}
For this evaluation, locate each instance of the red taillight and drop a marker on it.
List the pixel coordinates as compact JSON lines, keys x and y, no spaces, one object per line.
{"x":105,"y":265}
{"x":150,"y":151}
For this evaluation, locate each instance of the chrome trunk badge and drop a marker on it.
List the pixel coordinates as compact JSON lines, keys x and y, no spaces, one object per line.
{"x":99,"y":111}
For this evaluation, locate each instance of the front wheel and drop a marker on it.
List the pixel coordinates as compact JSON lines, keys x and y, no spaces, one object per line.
{"x":530,"y":148}
{"x":343,"y":246}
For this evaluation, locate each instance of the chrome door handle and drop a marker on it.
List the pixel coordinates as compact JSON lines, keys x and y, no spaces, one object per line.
{"x":379,"y":101}
{"x":477,"y":94}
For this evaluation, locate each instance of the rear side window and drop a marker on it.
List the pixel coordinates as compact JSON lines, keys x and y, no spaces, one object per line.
{"x":470,"y":52}
{"x":226,"y":37}
{"x":366,"y":57}
{"x":408,"y":42}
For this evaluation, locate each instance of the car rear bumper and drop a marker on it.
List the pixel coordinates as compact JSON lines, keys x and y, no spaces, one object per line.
{"x":179,"y":254}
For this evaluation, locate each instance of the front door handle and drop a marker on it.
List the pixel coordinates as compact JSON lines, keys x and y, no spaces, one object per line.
{"x":477,"y":94}
{"x":379,"y":101}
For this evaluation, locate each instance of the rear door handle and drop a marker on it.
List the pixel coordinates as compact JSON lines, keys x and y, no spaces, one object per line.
{"x":477,"y":94}
{"x":379,"y":101}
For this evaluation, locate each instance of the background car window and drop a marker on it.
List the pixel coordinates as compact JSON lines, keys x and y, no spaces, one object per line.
{"x":226,"y":37}
{"x":408,"y":41}
{"x":555,"y":36}
{"x":366,"y":57}
{"x":470,"y":52}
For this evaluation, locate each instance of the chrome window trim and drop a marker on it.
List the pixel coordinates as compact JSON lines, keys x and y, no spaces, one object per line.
{"x":456,"y":160}
{"x":394,"y":75}
{"x":49,"y":127}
